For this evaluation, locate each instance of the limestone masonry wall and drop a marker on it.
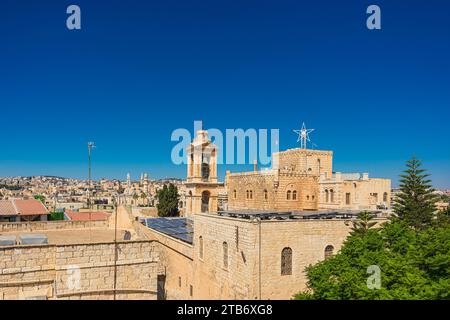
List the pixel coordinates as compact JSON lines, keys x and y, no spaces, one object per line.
{"x":250,"y":266}
{"x":80,"y":271}
{"x":50,"y":225}
{"x":175,"y":264}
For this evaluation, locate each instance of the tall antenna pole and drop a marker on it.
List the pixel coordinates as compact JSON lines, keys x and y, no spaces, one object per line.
{"x":91,"y":145}
{"x":116,"y":200}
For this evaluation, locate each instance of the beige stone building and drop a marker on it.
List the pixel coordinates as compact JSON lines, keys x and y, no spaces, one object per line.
{"x":259,"y":246}
{"x":302,"y":179}
{"x":245,"y":258}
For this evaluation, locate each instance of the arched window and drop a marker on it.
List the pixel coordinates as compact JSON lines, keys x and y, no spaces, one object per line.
{"x":191,"y":166}
{"x":200,"y":247}
{"x":294,"y":195}
{"x":234,"y":193}
{"x":265,"y":194}
{"x":189,"y":202}
{"x":288,"y":195}
{"x":248,"y":194}
{"x":307,"y":197}
{"x":286,"y":261}
{"x":251,"y":194}
{"x":327,"y":196}
{"x":385,"y":197}
{"x":331,"y":195}
{"x":225,"y":254}
{"x":329,"y":251}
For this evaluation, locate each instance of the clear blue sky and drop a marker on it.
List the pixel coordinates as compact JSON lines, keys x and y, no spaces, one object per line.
{"x":139,"y":69}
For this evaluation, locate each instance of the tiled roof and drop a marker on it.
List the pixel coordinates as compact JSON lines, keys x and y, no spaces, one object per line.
{"x":86,"y":216}
{"x":7,"y":208}
{"x":30,"y":207}
{"x":22,"y":207}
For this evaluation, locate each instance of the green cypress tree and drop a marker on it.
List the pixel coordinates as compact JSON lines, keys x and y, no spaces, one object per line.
{"x":415,"y":203}
{"x":168,"y":201}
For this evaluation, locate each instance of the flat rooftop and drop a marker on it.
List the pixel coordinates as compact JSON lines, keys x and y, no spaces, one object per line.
{"x":75,"y":236}
{"x":288,"y":215}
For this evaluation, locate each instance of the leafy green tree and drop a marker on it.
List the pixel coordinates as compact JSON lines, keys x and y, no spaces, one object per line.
{"x":415,"y":203}
{"x":53,"y":216}
{"x":413,"y":264}
{"x":363,"y":223}
{"x":40,"y":197}
{"x":168,"y":201}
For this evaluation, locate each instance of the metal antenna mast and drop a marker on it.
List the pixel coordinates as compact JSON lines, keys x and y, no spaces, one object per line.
{"x":91,"y":146}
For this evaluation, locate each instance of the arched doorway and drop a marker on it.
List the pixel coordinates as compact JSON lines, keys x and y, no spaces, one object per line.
{"x":205,"y":201}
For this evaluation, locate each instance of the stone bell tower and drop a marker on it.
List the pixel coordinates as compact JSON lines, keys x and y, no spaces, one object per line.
{"x":201,"y":183}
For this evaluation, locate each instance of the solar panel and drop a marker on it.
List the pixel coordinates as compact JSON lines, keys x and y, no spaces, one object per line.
{"x":179,"y":228}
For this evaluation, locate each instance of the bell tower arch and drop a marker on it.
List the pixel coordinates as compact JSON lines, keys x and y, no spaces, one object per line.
{"x":201,"y":183}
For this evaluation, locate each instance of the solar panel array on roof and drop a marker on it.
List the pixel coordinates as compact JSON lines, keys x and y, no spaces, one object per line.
{"x":179,"y":228}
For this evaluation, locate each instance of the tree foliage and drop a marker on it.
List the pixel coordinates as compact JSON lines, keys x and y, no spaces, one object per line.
{"x":168,"y":201}
{"x":40,"y":197}
{"x":415,"y":203}
{"x":414,"y":264}
{"x":55,"y":216}
{"x":363,"y":223}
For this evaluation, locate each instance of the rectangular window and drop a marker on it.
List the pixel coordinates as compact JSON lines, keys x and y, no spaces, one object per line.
{"x":191,"y":290}
{"x":347,"y":198}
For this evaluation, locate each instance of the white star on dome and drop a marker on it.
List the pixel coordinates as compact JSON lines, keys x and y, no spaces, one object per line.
{"x":303,"y":135}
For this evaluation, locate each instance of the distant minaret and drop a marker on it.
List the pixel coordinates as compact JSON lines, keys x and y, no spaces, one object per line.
{"x":128,"y":181}
{"x":146,"y":183}
{"x":141,"y":182}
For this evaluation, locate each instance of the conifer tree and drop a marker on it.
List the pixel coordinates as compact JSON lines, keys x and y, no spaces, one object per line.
{"x":363,"y":223}
{"x":415,"y":204}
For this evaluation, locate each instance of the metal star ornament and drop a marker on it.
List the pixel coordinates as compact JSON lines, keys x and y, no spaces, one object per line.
{"x":303,"y":136}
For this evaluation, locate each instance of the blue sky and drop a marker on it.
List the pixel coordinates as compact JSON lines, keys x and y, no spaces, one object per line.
{"x":137,"y":70}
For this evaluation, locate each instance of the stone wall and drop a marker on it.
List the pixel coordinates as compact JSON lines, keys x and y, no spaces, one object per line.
{"x":175,"y":264}
{"x":308,"y":161}
{"x":355,"y":194}
{"x":269,"y":190}
{"x":253,"y":267}
{"x":238,"y":278}
{"x":80,"y":271}
{"x":50,"y":225}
